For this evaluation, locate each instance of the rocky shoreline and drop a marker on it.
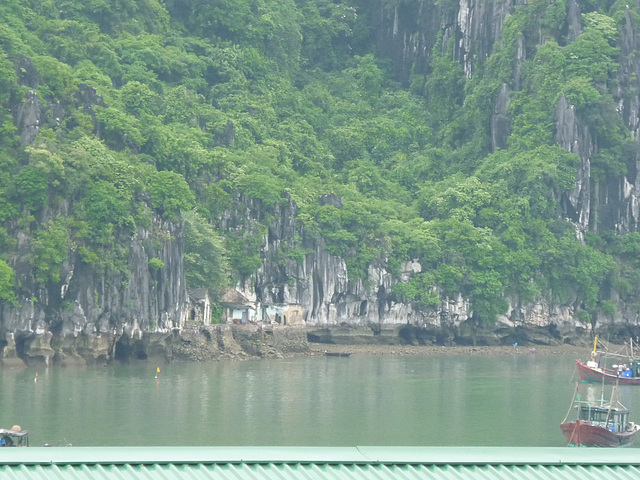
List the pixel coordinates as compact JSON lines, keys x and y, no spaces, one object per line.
{"x":221,"y":343}
{"x":218,"y":342}
{"x":423,"y":350}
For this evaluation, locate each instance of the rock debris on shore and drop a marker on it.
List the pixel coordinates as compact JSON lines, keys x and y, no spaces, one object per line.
{"x":320,"y":349}
{"x":224,"y":342}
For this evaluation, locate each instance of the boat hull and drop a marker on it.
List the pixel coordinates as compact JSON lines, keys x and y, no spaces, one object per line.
{"x":597,"y":375}
{"x":581,"y":434}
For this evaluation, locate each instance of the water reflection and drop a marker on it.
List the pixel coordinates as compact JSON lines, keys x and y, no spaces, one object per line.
{"x":515,"y":400}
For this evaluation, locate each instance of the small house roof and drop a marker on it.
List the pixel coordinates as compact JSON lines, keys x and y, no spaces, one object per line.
{"x":198,"y":293}
{"x":232,"y":297}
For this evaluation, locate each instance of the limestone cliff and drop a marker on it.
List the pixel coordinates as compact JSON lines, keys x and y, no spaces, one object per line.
{"x":320,"y":284}
{"x":91,"y":315}
{"x":406,"y":35}
{"x":95,"y":316}
{"x":408,"y":32}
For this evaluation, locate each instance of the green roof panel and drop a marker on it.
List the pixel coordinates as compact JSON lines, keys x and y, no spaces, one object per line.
{"x":318,"y":463}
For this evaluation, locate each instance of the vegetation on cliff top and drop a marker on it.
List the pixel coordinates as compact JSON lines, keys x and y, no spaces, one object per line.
{"x":179,"y":108}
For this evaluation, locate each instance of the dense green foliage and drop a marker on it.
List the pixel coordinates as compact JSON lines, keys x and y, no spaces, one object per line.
{"x":199,"y":102}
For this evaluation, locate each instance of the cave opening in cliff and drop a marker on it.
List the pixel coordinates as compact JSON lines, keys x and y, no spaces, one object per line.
{"x":363,"y":308}
{"x":125,"y":351}
{"x":20,"y":345}
{"x":140,"y":354}
{"x":122,"y":351}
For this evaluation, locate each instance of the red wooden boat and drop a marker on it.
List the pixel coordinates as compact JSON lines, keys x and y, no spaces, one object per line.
{"x":626,"y":370}
{"x":584,"y":434}
{"x":591,"y":372}
{"x":599,"y":424}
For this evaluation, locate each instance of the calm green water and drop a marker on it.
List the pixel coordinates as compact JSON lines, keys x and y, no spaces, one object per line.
{"x":515,"y":400}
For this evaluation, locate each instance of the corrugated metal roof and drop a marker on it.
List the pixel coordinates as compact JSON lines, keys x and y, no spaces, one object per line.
{"x":311,"y":463}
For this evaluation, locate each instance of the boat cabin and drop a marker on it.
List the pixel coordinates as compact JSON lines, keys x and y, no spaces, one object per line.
{"x":612,"y":419}
{"x":633,"y":370}
{"x":15,"y":437}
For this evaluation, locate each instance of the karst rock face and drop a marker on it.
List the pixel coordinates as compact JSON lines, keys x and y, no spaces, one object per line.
{"x":91,"y":316}
{"x":408,"y":32}
{"x":406,"y":35}
{"x":321,"y":286}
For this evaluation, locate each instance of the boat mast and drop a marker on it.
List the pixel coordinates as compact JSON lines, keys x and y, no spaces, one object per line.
{"x":572,"y":404}
{"x":614,"y":393}
{"x":593,"y":354}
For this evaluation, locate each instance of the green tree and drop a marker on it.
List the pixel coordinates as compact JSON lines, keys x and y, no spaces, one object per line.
{"x":170,"y":194}
{"x":31,"y":187}
{"x":50,"y":249}
{"x":420,"y":289}
{"x":105,"y":209}
{"x":57,"y":77}
{"x":224,"y":19}
{"x":244,"y":250}
{"x":8,"y":81}
{"x":139,"y":98}
{"x":121,"y":130}
{"x":7,"y":282}
{"x":206,"y":264}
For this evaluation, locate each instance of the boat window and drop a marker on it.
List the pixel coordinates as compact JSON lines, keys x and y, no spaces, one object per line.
{"x":594,"y":415}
